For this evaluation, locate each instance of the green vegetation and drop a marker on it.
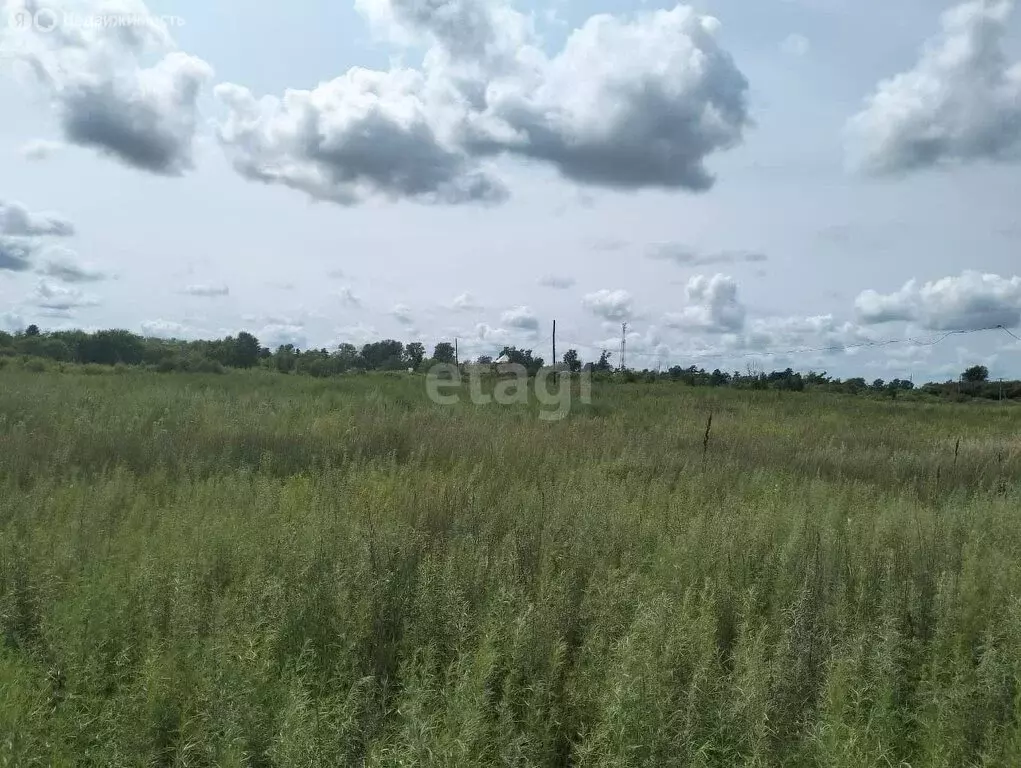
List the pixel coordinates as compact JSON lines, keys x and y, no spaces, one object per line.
{"x":254,"y":569}
{"x":38,"y":350}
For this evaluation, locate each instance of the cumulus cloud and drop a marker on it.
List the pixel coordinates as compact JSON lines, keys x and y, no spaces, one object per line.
{"x":64,"y":265}
{"x":627,"y":104}
{"x":558,"y":282}
{"x":348,"y":297}
{"x":11,"y":322}
{"x":465,"y":302}
{"x":40,"y":149}
{"x":276,"y":335}
{"x":971,"y":301}
{"x":819,"y":331}
{"x":357,"y":334}
{"x":960,"y":103}
{"x":685,"y":256}
{"x":713,"y":306}
{"x":609,"y":305}
{"x":522,"y":318}
{"x":52,"y":296}
{"x":363,"y":135}
{"x":165,"y":329}
{"x":103,"y":96}
{"x":207,"y":290}
{"x":492,"y":336}
{"x":16,"y":219}
{"x":795,"y":45}
{"x":16,"y":253}
{"x":22,"y":234}
{"x":402,"y":313}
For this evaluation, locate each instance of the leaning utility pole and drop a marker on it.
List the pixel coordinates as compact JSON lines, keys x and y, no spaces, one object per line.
{"x":623,"y":347}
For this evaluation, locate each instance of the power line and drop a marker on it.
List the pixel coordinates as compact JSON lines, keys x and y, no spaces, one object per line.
{"x":869,"y":344}
{"x":1009,"y":332}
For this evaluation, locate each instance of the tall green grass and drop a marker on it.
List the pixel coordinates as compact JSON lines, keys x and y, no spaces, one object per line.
{"x":259,"y":570}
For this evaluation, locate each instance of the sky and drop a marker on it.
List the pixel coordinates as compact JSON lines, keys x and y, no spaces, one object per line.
{"x":829,"y":185}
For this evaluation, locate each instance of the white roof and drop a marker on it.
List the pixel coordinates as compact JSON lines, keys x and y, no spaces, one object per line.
{"x":502,"y":359}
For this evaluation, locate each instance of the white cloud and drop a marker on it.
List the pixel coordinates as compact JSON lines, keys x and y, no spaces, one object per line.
{"x":17,"y":220}
{"x":165,"y":329}
{"x":465,"y":302}
{"x":40,"y":149}
{"x":629,"y":104}
{"x":64,"y":265}
{"x":960,"y":103}
{"x":684,"y":256}
{"x":795,"y":45}
{"x":348,"y":297}
{"x":970,"y":301}
{"x":16,"y":253}
{"x":402,"y":313}
{"x":357,"y":334}
{"x":777,"y":333}
{"x":50,"y":295}
{"x":609,"y":305}
{"x":713,"y":307}
{"x":11,"y":322}
{"x":207,"y":290}
{"x":492,"y":336}
{"x":276,"y":335}
{"x":103,"y":96}
{"x":522,"y":318}
{"x":558,"y":282}
{"x":363,"y":135}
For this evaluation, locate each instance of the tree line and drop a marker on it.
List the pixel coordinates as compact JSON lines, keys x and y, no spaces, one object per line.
{"x":243,"y":351}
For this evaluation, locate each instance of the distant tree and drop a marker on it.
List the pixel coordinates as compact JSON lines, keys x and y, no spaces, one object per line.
{"x":484,"y":360}
{"x":246,"y":351}
{"x":854,"y":386}
{"x":30,"y":345}
{"x":32,"y":330}
{"x":415,"y":353}
{"x":55,"y":349}
{"x":111,"y":347}
{"x":572,"y":361}
{"x":975,"y":374}
{"x":878,"y":385}
{"x":286,"y":358}
{"x":348,"y":358}
{"x":444,"y":352}
{"x":718,"y":378}
{"x":523,"y":357}
{"x":387,"y":355}
{"x":604,"y":362}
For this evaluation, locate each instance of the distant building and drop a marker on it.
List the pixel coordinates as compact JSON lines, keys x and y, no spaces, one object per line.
{"x":503,"y":365}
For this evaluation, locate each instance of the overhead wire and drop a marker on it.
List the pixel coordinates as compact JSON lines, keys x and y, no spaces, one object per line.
{"x":868,"y":344}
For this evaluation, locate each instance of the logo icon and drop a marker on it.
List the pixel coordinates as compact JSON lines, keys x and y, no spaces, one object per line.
{"x":45,"y":20}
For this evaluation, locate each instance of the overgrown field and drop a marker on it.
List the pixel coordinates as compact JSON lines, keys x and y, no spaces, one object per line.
{"x":266,"y":570}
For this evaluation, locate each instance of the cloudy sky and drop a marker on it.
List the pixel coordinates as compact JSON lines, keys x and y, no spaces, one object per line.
{"x":785,"y":182}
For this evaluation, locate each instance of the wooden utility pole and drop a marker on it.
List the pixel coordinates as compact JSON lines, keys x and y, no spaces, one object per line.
{"x":457,"y":360}
{"x":554,"y":343}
